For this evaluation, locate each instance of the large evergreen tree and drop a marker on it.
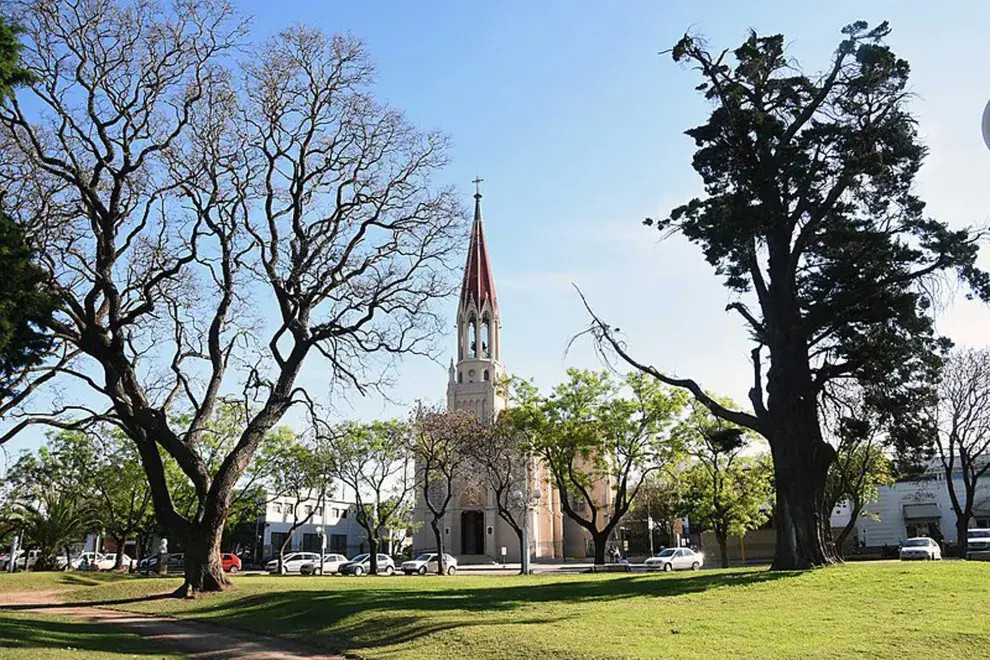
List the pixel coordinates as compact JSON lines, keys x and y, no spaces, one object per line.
{"x":24,"y":304}
{"x":810,"y":217}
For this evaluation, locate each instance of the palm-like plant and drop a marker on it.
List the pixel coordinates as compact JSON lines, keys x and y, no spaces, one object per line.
{"x":53,"y":523}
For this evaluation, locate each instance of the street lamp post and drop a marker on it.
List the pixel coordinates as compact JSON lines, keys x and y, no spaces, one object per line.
{"x":323,"y":546}
{"x":527,"y":498}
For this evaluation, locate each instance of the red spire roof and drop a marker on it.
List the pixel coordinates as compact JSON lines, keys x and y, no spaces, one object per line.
{"x":479,"y":283}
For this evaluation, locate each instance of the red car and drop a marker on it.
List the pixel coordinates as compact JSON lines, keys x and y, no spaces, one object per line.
{"x":231,"y":562}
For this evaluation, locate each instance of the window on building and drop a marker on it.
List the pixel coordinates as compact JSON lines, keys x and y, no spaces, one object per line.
{"x":486,"y":337}
{"x":343,"y":513}
{"x":487,"y":378}
{"x":319,"y":511}
{"x":473,"y":337}
{"x":311,"y":543}
{"x":460,"y":376}
{"x":278,"y":507}
{"x":309,"y":510}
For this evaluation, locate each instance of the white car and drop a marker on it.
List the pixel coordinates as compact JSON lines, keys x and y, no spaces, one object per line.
{"x":427,"y":563}
{"x":921,"y":547}
{"x":978,"y":541}
{"x":22,"y":562}
{"x":108,"y":560}
{"x":293,"y":562}
{"x":675,"y":559}
{"x":331,"y":565}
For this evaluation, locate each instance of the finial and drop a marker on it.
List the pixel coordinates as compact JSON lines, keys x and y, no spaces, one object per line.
{"x":477,"y":186}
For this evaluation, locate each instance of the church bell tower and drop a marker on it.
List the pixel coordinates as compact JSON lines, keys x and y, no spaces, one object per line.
{"x":473,"y":379}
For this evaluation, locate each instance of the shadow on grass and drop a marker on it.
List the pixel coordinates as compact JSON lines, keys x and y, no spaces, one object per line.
{"x":347,"y":620}
{"x":83,"y":603}
{"x":60,"y":634}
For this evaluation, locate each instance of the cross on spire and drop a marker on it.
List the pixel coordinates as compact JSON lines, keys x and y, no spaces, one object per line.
{"x":477,"y":186}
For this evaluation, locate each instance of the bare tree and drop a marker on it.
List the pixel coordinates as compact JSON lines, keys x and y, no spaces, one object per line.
{"x":500,"y":456}
{"x":208,"y":226}
{"x":441,"y":448}
{"x":963,"y":438}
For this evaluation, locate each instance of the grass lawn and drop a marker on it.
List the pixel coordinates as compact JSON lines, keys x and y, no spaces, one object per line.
{"x":33,"y":635}
{"x":882,"y":609}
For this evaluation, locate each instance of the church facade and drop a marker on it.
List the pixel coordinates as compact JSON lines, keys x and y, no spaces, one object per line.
{"x":473,"y":531}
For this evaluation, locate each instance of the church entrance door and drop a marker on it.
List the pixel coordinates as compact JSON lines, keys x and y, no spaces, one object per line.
{"x":472,"y":533}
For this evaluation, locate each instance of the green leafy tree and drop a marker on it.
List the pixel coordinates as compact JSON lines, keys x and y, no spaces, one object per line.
{"x":810,"y":217}
{"x":861,"y":466}
{"x":599,"y":437}
{"x":726,"y":491}
{"x":299,"y":474}
{"x":660,"y":500}
{"x":375,"y":462}
{"x":441,"y":446}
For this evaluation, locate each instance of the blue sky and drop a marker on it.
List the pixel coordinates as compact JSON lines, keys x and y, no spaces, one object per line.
{"x":575,"y":121}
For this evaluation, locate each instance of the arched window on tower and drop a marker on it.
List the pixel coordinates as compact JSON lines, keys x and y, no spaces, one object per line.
{"x":486,"y":337}
{"x":460,"y":344}
{"x":487,"y":378}
{"x":460,"y":376}
{"x":473,"y":337}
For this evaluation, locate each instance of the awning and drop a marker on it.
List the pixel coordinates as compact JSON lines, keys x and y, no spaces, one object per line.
{"x":926,"y":511}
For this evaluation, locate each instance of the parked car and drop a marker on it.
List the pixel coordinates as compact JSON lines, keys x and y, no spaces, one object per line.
{"x":231,"y":562}
{"x":920,"y":547}
{"x":427,"y":563}
{"x":149,"y":565}
{"x":331,"y":565}
{"x":978,"y":540}
{"x":292,"y":562}
{"x":107,"y":560}
{"x":675,"y":559}
{"x":361,"y":564}
{"x":23,"y":561}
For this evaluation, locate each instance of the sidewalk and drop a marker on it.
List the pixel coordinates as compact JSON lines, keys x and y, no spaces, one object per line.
{"x":194,"y":639}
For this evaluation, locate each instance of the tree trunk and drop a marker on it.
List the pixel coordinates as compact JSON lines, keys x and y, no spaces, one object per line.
{"x":801,"y":457}
{"x":962,"y":534}
{"x":203,"y":569}
{"x":373,"y":556}
{"x":723,"y":547}
{"x":840,"y":540}
{"x":439,"y":537}
{"x":281,"y":551}
{"x":119,"y":560}
{"x":804,"y":537}
{"x":601,"y":541}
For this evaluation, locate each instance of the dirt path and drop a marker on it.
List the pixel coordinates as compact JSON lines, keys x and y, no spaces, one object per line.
{"x":203,"y":641}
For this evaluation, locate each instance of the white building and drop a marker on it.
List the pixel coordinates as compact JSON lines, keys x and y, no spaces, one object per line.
{"x":915,"y":507}
{"x":335,"y":517}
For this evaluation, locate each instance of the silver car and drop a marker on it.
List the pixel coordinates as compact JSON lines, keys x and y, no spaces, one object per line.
{"x":978,"y":542}
{"x":427,"y":563}
{"x":675,"y":559}
{"x":331,"y":565}
{"x":292,"y":562}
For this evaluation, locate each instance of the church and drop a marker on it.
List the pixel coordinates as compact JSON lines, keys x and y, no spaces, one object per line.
{"x":473,"y":530}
